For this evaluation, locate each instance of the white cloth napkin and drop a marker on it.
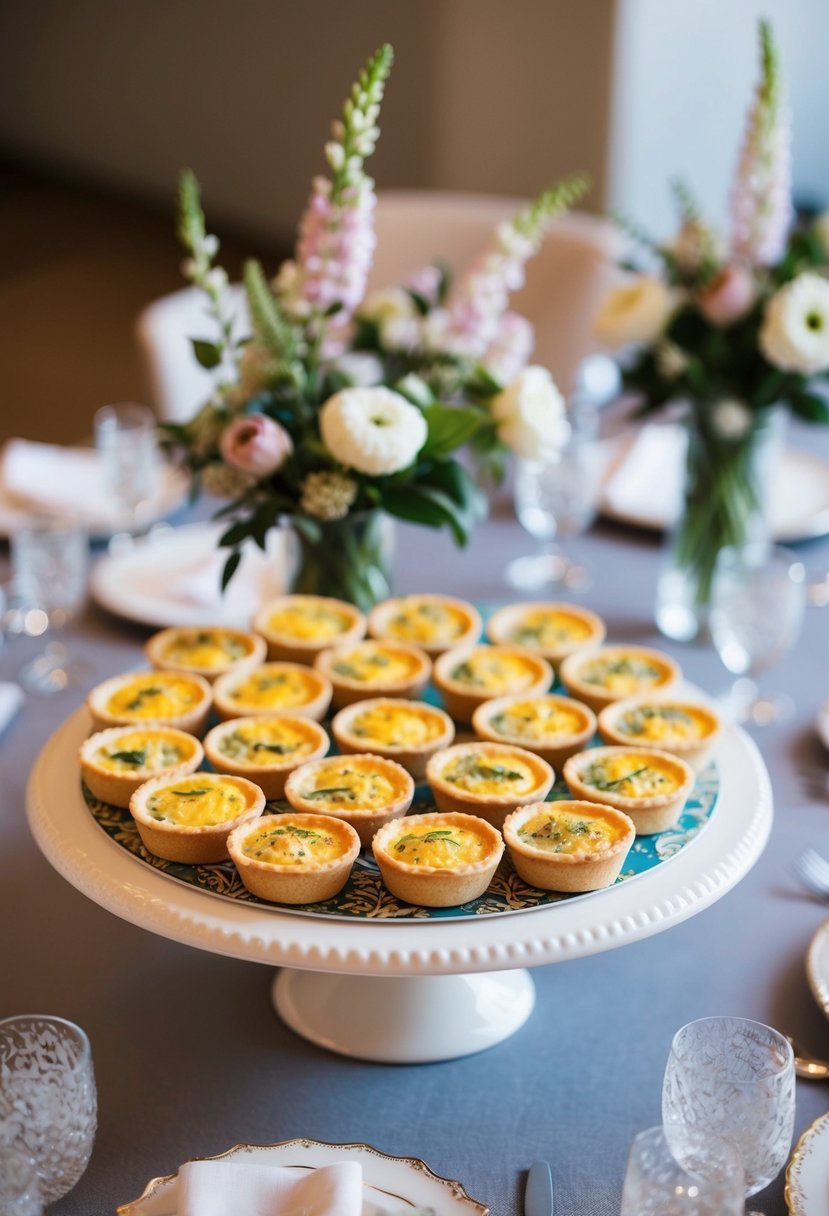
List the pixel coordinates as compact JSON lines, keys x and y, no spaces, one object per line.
{"x":231,"y":1188}
{"x":56,"y":480}
{"x":647,"y":484}
{"x":11,"y":698}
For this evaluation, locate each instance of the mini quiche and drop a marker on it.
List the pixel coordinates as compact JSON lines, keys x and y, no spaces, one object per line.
{"x":374,"y":669}
{"x":468,"y":676}
{"x":553,"y":727}
{"x":433,"y":622}
{"x":272,"y":688}
{"x":152,"y":697}
{"x":650,"y":786}
{"x":669,"y":723}
{"x":609,"y":673}
{"x":294,"y":858}
{"x":406,"y":731}
{"x":208,"y":651}
{"x":568,"y":846}
{"x":189,"y":819}
{"x":297,"y":627}
{"x":115,"y":762}
{"x":487,"y":779}
{"x":553,"y":630}
{"x":438,"y":860}
{"x":265,"y":748}
{"x":364,"y":790}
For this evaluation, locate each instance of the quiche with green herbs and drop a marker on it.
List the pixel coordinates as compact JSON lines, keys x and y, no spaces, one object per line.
{"x":487,"y":779}
{"x":650,"y":786}
{"x":568,"y":846}
{"x":364,"y":790}
{"x":438,"y":860}
{"x":294,"y":858}
{"x":606,"y":674}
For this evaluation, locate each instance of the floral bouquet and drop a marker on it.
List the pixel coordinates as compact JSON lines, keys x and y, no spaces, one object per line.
{"x":733,"y":329}
{"x":339,"y":410}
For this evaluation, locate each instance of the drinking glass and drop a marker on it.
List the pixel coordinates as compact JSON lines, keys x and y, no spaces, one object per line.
{"x":693,"y":1174}
{"x":49,"y":568}
{"x":125,"y":436}
{"x":48,"y":1105}
{"x":758,"y":597}
{"x":734,"y":1077}
{"x":554,"y":501}
{"x":19,"y":1183}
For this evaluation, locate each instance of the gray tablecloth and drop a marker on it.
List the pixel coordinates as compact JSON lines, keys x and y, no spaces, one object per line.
{"x":190,"y":1057}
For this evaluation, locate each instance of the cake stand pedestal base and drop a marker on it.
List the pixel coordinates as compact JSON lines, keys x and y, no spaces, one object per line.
{"x":404,"y":1019}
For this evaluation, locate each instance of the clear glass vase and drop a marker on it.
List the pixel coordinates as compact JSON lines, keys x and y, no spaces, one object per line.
{"x":350,"y":559}
{"x":724,"y":502}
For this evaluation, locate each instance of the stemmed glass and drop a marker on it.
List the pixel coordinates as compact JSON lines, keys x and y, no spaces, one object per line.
{"x":682,"y":1172}
{"x":554,"y":501}
{"x":125,"y":436}
{"x":48,"y":1103}
{"x":758,"y":597}
{"x":736,"y":1078}
{"x":49,"y":567}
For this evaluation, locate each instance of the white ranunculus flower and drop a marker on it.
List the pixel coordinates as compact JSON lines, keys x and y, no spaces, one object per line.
{"x":636,"y":311}
{"x":372,"y":430}
{"x":530,"y":415}
{"x":794,"y":335}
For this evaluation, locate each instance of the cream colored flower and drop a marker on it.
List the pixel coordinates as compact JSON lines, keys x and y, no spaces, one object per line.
{"x":636,"y":311}
{"x":530,"y":415}
{"x":671,"y":360}
{"x":327,"y":495}
{"x":731,"y":418}
{"x":393,"y":312}
{"x":794,"y":335}
{"x":372,"y":430}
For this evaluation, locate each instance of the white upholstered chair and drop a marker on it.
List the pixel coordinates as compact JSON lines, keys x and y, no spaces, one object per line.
{"x":565,"y":281}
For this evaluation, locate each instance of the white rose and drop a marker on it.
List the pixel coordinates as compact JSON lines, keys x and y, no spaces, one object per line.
{"x":372,"y":430}
{"x":530,"y":415}
{"x":636,"y":311}
{"x":794,"y":335}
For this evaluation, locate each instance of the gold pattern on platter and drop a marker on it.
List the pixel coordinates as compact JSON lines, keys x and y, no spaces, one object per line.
{"x":803,"y":1150}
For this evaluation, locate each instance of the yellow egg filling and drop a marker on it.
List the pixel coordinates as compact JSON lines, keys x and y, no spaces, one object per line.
{"x":632,"y":775}
{"x":197,"y":803}
{"x":536,"y":720}
{"x":549,"y":628}
{"x":375,"y":665}
{"x":293,"y":844}
{"x":274,"y":687}
{"x":623,"y":674}
{"x":440,"y":848}
{"x":667,"y":724}
{"x":494,"y":671}
{"x":155,"y":695}
{"x":306,"y":620}
{"x":427,"y":621}
{"x":265,"y":743}
{"x":396,"y":726}
{"x":146,"y":750}
{"x":480,"y":773}
{"x":206,"y":648}
{"x":554,"y":830}
{"x":344,"y":786}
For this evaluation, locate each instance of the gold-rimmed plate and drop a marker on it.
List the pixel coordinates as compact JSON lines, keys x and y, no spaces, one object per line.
{"x":807,"y":1174}
{"x":390,"y":1184}
{"x":817,"y":973}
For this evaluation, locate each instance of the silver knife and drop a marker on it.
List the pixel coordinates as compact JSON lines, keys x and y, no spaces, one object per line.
{"x":539,"y":1199}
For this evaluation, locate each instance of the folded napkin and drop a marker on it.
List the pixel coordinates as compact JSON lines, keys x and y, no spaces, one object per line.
{"x":11,"y":698}
{"x":233,"y":1188}
{"x":647,"y":482}
{"x":51,"y":479}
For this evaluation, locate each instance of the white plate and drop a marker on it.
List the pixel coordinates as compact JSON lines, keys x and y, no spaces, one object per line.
{"x":798,"y":505}
{"x":172,"y":489}
{"x":822,"y":723}
{"x":174,"y":579}
{"x":391,"y":1184}
{"x":807,"y":1174}
{"x":817,"y":972}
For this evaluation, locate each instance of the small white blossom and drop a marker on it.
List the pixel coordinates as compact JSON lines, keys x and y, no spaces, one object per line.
{"x":363,"y":368}
{"x":210,"y":245}
{"x":794,"y":335}
{"x":530,"y":415}
{"x":730,"y":418}
{"x":372,"y":430}
{"x":636,"y":311}
{"x":671,"y":360}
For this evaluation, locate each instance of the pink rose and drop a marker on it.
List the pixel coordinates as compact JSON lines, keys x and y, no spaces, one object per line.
{"x":728,"y":296}
{"x":255,"y":444}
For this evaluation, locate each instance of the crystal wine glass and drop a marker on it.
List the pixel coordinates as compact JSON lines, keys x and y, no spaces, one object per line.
{"x":48,"y":1104}
{"x":734,"y":1077}
{"x":49,"y":567}
{"x":126,"y":439}
{"x":554,"y":501}
{"x":758,"y":597}
{"x":693,"y":1174}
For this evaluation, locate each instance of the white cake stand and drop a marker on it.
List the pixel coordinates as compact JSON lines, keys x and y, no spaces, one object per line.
{"x":401,"y":992}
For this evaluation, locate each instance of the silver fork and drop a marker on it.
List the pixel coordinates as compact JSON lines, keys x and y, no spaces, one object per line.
{"x":813,"y":872}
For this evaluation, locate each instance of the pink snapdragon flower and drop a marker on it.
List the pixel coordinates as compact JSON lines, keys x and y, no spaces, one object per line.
{"x":511,"y":349}
{"x":728,"y":296}
{"x":761,"y":208}
{"x":255,"y":444}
